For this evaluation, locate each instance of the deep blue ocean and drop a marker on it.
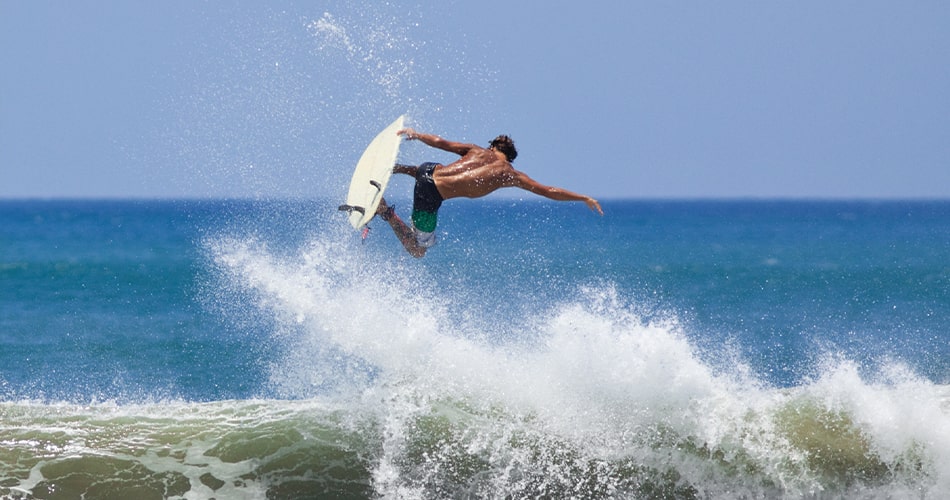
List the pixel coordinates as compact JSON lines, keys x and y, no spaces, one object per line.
{"x":670,"y":349}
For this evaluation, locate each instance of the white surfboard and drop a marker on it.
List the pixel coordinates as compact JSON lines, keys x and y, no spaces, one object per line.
{"x":372,"y":175}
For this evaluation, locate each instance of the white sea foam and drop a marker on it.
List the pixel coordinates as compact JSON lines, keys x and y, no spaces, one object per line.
{"x":593,"y":386}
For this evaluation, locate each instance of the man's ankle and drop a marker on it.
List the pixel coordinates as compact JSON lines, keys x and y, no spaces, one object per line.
{"x":387,"y":213}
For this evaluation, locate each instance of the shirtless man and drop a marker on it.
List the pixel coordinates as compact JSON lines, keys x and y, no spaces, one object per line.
{"x":478,"y":172}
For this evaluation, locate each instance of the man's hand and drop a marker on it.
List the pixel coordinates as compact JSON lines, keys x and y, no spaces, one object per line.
{"x":593,"y":205}
{"x":408,"y":133}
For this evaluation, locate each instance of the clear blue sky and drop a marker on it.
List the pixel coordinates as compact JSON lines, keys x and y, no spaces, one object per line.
{"x":634,"y":99}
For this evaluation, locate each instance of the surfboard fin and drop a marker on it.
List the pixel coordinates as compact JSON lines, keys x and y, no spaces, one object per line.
{"x":376,"y":185}
{"x":351,"y":208}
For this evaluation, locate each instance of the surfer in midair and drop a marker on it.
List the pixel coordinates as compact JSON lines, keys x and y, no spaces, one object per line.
{"x":477,"y":173}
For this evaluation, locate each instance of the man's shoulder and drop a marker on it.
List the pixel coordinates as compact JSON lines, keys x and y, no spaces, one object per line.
{"x":473,"y":149}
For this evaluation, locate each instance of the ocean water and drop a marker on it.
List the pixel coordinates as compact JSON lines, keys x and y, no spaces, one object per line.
{"x":670,"y":349}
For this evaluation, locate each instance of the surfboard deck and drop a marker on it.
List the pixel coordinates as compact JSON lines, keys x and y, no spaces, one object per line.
{"x":372,"y":174}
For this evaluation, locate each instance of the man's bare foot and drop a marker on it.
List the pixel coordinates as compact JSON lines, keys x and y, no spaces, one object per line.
{"x":384,"y":211}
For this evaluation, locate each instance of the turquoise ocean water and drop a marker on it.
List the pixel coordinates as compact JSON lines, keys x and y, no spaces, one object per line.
{"x":671,"y":349}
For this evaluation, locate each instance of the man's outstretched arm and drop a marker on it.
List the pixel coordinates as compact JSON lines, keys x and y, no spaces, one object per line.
{"x":435,"y":141}
{"x":555,"y":193}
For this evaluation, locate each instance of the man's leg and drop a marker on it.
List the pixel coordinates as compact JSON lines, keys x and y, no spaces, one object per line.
{"x":405,"y":233}
{"x":405,"y":169}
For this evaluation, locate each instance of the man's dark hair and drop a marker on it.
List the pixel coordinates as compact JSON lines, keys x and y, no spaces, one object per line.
{"x":504,"y":144}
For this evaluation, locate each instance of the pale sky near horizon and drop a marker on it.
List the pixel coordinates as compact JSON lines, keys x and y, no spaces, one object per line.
{"x":616,"y":99}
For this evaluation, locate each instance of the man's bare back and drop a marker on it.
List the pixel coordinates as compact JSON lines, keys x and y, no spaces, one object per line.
{"x":474,"y":175}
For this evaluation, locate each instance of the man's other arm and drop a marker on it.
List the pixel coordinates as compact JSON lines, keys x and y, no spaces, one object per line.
{"x":435,"y":141}
{"x":555,"y":193}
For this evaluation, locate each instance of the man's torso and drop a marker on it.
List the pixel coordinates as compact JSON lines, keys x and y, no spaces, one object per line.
{"x":476,"y":174}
